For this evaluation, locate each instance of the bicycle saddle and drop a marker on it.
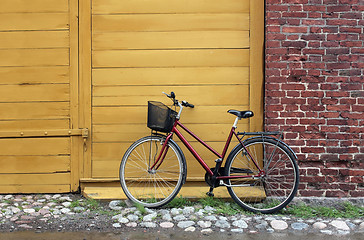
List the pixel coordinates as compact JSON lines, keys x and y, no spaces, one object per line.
{"x":242,"y":114}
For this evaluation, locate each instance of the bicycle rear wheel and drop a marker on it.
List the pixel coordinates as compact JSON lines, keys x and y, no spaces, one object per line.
{"x":275,"y":188}
{"x":152,"y":187}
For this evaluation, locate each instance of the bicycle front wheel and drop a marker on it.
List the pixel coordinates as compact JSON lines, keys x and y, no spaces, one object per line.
{"x":152,"y":187}
{"x":271,"y":191}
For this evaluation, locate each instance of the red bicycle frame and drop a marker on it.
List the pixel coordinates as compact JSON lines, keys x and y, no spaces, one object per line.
{"x":164,"y":150}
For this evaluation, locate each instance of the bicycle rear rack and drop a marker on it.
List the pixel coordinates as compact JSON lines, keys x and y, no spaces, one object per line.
{"x":260,"y":133}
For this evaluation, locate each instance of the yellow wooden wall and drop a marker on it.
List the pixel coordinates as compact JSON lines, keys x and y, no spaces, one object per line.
{"x":35,"y":97}
{"x":67,"y":65}
{"x":199,"y":49}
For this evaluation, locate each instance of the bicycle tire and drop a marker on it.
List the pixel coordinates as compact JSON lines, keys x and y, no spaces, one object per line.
{"x":157,"y":187}
{"x":271,"y":192}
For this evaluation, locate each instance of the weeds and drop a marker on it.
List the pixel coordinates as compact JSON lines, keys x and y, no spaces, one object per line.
{"x":178,"y":202}
{"x":141,"y":208}
{"x":345,"y":210}
{"x":92,"y":203}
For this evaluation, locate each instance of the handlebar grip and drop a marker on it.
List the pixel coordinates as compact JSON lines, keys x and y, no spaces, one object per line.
{"x":186,"y":104}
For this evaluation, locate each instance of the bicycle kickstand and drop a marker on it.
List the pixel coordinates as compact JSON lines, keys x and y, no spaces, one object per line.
{"x":210,"y":192}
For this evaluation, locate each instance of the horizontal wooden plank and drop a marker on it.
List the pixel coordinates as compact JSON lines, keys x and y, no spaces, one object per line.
{"x":138,"y":115}
{"x":35,"y":188}
{"x":34,"y":110}
{"x":115,"y":151}
{"x":35,"y":179}
{"x":169,"y":6}
{"x":29,"y":124}
{"x":22,"y":6}
{"x":170,"y":22}
{"x":209,"y":95}
{"x":190,"y":190}
{"x":169,"y":76}
{"x":34,"y":164}
{"x":34,"y":57}
{"x":35,"y":146}
{"x":170,"y":58}
{"x":107,"y":157}
{"x":34,"y":75}
{"x":36,"y":39}
{"x":123,"y":133}
{"x":170,"y":40}
{"x":34,"y":21}
{"x":40,"y":92}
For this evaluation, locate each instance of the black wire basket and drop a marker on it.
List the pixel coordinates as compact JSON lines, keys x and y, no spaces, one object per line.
{"x":160,"y":117}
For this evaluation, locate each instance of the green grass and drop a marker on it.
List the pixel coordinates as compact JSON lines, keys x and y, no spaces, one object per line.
{"x":140,"y":208}
{"x":92,"y":204}
{"x":75,"y":204}
{"x":222,"y":207}
{"x":179,"y":202}
{"x":345,"y":210}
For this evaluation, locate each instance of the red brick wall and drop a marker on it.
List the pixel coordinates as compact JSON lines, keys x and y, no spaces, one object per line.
{"x":314,"y":90}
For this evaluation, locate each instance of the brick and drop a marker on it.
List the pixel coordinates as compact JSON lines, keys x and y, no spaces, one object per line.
{"x":319,"y":90}
{"x":336,"y":193}
{"x":295,"y":29}
{"x":311,"y":193}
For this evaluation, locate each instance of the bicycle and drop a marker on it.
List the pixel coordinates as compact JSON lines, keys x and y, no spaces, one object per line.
{"x":260,"y":173}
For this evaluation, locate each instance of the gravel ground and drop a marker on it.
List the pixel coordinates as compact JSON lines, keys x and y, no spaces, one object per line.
{"x":73,"y":213}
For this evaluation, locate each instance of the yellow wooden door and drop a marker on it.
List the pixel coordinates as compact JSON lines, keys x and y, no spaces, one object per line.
{"x":209,"y":53}
{"x":39,"y":129}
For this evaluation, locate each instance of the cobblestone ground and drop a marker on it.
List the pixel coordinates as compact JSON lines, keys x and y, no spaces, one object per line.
{"x":72,"y":212}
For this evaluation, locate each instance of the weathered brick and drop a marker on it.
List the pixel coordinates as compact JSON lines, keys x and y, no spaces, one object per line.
{"x":320,"y":87}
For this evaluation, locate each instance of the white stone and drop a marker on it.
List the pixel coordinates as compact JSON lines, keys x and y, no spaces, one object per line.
{"x":123,"y":220}
{"x":328,"y":232}
{"x":175,"y":211}
{"x":206,"y":230}
{"x":222,"y":224}
{"x":185,"y":224}
{"x":65,"y":210}
{"x":133,"y":217}
{"x":210,"y":218}
{"x":299,"y":226}
{"x":149,"y":217}
{"x":209,"y":209}
{"x":66,"y":204}
{"x":279,"y":225}
{"x":188,"y":210}
{"x":200,"y":212}
{"x":204,"y":224}
{"x":179,"y":218}
{"x":132,"y":224}
{"x":65,"y":199}
{"x":29,"y":210}
{"x":15,"y":210}
{"x":361,"y":226}
{"x":7,"y":197}
{"x":116,"y":225}
{"x":148,"y":224}
{"x":166,"y":225}
{"x":240,"y":224}
{"x":120,"y":218}
{"x":341,"y":225}
{"x":190,"y":229}
{"x":237,"y":230}
{"x":167,"y":217}
{"x":319,"y":225}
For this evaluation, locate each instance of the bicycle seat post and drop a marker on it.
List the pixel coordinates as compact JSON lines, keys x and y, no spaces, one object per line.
{"x":236,"y":122}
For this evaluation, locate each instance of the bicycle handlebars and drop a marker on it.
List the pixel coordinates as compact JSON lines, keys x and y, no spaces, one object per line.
{"x":175,"y":101}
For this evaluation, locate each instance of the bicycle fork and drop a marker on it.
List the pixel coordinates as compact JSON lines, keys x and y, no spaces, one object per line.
{"x":158,"y":162}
